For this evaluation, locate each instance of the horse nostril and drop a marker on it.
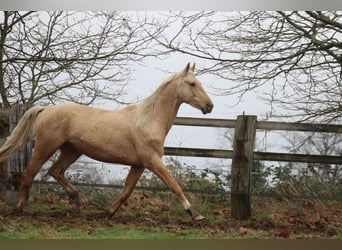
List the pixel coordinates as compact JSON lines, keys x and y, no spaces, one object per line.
{"x":207,"y":108}
{"x":210,"y":107}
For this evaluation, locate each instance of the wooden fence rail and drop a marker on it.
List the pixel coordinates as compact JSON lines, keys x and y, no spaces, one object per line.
{"x":257,"y":156}
{"x":261,"y":125}
{"x":264,"y":125}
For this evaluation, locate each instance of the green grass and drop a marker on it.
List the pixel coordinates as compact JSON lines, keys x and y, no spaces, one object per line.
{"x":46,"y":231}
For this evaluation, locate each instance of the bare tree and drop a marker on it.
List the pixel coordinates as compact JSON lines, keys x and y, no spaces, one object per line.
{"x":46,"y":57}
{"x":292,"y":59}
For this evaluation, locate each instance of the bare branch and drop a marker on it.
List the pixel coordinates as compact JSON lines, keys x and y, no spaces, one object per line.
{"x":296,"y":56}
{"x":80,"y":56}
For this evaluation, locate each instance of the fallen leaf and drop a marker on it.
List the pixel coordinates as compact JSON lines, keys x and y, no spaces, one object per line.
{"x":283,"y":233}
{"x":156,"y":202}
{"x":221,"y":211}
{"x":214,"y":234}
{"x":9,"y":228}
{"x":242,"y":231}
{"x":83,"y":202}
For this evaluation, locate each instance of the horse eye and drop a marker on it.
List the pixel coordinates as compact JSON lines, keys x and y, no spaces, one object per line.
{"x":192,"y":84}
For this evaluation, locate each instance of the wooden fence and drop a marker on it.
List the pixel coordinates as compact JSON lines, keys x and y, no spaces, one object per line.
{"x":242,"y":154}
{"x":17,"y":162}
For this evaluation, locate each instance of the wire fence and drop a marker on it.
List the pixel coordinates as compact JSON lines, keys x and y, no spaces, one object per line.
{"x":223,"y":195}
{"x":221,"y":192}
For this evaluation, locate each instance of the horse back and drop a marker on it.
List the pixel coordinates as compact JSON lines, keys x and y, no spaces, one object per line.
{"x":104,"y":135}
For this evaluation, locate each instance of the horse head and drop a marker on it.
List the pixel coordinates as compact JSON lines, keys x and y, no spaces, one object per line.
{"x":191,"y":91}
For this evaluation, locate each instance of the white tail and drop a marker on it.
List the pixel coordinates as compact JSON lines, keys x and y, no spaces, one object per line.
{"x":20,"y":133}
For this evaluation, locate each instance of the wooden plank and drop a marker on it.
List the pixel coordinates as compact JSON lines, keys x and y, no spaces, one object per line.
{"x":4,"y":114}
{"x":266,"y":125}
{"x":220,"y":123}
{"x":199,"y":152}
{"x":17,"y":163}
{"x":304,"y":127}
{"x":244,"y":138}
{"x":261,"y":156}
{"x":267,"y":156}
{"x":4,"y":122}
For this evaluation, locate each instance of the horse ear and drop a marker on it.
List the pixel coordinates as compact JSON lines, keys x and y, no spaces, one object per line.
{"x":186,"y":69}
{"x":193,"y":68}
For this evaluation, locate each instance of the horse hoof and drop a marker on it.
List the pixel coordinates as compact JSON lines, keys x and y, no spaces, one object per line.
{"x":194,"y":214}
{"x":75,"y":207}
{"x":110,"y":213}
{"x":76,"y":210}
{"x":198,"y":218}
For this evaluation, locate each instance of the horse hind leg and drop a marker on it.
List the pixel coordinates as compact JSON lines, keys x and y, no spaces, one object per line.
{"x":68,"y":155}
{"x":39,"y":157}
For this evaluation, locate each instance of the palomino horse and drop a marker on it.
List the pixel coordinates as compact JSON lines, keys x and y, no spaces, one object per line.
{"x":133,"y":135}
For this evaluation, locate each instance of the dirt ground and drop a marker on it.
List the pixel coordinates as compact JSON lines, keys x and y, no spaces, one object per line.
{"x":149,"y":213}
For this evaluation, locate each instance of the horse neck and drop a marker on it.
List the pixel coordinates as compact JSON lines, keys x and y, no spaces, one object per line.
{"x":167,"y":107}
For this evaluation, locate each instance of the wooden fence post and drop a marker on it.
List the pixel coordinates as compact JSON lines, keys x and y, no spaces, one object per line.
{"x":17,"y":163}
{"x":244,"y":137}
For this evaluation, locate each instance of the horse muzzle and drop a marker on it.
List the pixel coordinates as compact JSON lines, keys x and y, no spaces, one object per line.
{"x":207,"y":108}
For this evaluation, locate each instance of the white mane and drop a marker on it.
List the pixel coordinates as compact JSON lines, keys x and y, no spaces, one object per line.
{"x":147,"y":107}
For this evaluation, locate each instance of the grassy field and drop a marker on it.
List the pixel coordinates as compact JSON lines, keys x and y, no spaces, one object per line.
{"x":147,"y":216}
{"x":30,"y":230}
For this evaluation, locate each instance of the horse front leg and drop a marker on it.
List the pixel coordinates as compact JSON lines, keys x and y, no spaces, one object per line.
{"x":131,"y":180}
{"x":158,"y":168}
